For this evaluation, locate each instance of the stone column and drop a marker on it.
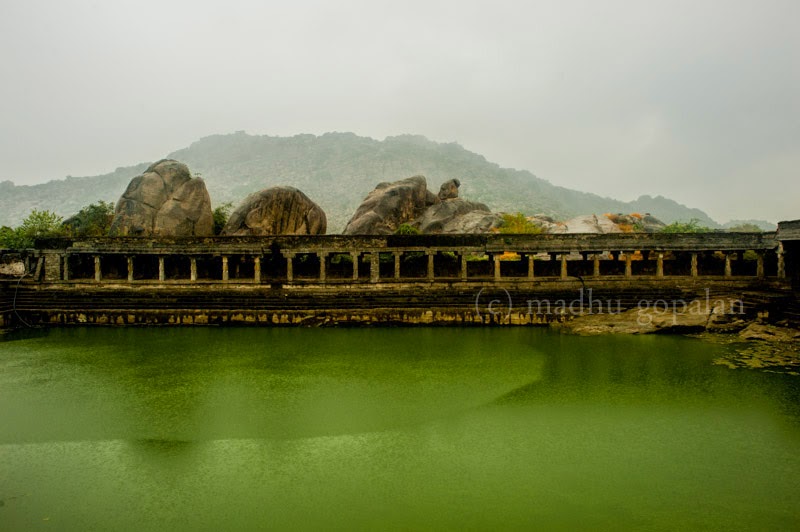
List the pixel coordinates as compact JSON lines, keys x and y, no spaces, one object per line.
{"x":564,"y":273}
{"x":531,"y":260}
{"x":323,"y":272}
{"x":225,"y":274}
{"x":660,"y":265}
{"x":289,"y":266}
{"x":728,"y":271}
{"x":431,"y":257}
{"x":497,"y":273}
{"x":781,"y":262}
{"x":695,"y":270}
{"x":760,"y":265}
{"x":66,"y":267}
{"x":397,"y":264}
{"x":51,"y":263}
{"x":257,"y":269}
{"x":463,"y":265}
{"x":192,"y":269}
{"x":628,"y":264}
{"x":374,"y":267}
{"x":161,"y":272}
{"x":596,"y":265}
{"x":98,"y":272}
{"x":130,"y":268}
{"x":354,"y":255}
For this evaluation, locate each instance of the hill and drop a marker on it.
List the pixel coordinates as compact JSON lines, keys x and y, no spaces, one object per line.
{"x":337,"y":170}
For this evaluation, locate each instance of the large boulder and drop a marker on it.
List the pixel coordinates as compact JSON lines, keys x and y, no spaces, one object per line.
{"x":389,"y":206}
{"x":164,"y":201}
{"x":449,"y":189}
{"x":277,"y":211}
{"x":458,"y":216}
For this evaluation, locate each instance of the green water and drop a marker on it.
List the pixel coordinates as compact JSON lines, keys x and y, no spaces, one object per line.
{"x":236,"y":429}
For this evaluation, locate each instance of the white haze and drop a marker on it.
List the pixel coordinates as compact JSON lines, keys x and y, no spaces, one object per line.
{"x":694,"y":100}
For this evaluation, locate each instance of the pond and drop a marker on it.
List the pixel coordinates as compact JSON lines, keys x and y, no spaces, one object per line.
{"x":389,"y":428}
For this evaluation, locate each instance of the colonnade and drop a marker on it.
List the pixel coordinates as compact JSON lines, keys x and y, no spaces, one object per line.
{"x":415,"y":265}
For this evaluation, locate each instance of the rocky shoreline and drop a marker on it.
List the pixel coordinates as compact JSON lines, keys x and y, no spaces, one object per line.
{"x":755,"y":342}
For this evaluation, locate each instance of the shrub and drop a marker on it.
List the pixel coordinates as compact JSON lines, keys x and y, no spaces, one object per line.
{"x":518,"y":224}
{"x":692,"y":226}
{"x":406,"y":229}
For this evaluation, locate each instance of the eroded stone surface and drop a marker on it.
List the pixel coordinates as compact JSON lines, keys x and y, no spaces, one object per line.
{"x":164,"y":201}
{"x":389,"y":206}
{"x":277,"y":211}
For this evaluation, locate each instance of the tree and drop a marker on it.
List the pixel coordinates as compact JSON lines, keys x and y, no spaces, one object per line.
{"x":692,"y":226}
{"x":38,"y":224}
{"x":92,"y":220}
{"x":518,"y":224}
{"x":221,"y":214}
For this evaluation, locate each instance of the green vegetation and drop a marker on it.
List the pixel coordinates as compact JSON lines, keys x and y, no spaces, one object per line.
{"x":38,"y":224}
{"x":93,"y":220}
{"x":745,"y":228}
{"x":692,"y":226}
{"x":221,"y":215}
{"x":519,"y":224}
{"x":406,"y":229}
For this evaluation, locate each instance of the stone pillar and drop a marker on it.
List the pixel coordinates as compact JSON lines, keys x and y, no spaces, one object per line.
{"x":374,"y":267}
{"x":130,"y":268}
{"x":161,"y":272}
{"x":98,"y":272}
{"x":192,"y":269}
{"x":289,"y":266}
{"x":257,"y":269}
{"x":628,"y":264}
{"x":564,"y":273}
{"x":323,"y":264}
{"x":695,"y":270}
{"x":596,"y":265}
{"x":660,"y":265}
{"x":728,"y":271}
{"x":354,"y":255}
{"x":760,"y":265}
{"x":531,"y":260}
{"x":397,"y":264}
{"x":51,"y":263}
{"x":66,"y":267}
{"x":225,"y":274}
{"x":463,"y":265}
{"x":497,"y":273}
{"x":431,"y":257}
{"x":781,"y":262}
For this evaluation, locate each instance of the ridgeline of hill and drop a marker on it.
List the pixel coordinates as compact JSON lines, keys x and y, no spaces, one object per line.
{"x":337,"y":170}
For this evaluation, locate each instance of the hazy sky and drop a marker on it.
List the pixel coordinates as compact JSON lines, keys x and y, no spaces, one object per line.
{"x":698,"y":101}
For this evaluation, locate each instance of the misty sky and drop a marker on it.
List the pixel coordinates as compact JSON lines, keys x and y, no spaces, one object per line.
{"x":698,"y":101}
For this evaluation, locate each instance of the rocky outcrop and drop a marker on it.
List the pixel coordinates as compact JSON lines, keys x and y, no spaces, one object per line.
{"x":164,"y":201}
{"x":277,"y":211}
{"x":590,"y":223}
{"x":458,"y":216}
{"x":606,"y":223}
{"x":408,"y":201}
{"x":389,"y":206}
{"x":721,"y":315}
